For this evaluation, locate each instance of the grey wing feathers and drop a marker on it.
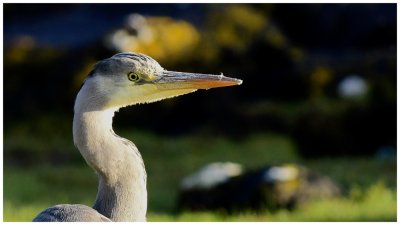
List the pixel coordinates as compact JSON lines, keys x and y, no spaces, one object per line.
{"x":70,"y":213}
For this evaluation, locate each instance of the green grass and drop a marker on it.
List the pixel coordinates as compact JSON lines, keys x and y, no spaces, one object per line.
{"x":29,"y":188}
{"x":377,"y":203}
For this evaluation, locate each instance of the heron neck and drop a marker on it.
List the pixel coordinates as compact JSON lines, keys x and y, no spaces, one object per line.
{"x":122,"y":194}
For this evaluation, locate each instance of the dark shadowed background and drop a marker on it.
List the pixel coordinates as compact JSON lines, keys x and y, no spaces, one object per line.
{"x":319,"y":88}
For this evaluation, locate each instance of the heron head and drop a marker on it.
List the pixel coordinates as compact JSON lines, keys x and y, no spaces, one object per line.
{"x":132,"y":78}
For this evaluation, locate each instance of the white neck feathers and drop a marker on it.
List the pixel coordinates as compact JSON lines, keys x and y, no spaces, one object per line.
{"x":122,"y":194}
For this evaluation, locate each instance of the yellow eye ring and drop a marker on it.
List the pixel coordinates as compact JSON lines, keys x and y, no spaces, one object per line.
{"x":132,"y":76}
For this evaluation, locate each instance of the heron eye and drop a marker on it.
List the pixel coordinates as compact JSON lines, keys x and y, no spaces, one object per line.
{"x":132,"y":76}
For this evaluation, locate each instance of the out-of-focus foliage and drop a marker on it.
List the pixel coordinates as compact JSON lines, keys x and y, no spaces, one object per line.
{"x":320,"y":77}
{"x":165,"y":39}
{"x":293,"y":70}
{"x":235,"y":26}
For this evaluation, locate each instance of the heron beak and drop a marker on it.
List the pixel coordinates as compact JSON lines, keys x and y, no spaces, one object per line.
{"x":180,"y":80}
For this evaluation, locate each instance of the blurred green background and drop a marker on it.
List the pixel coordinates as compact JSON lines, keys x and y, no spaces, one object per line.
{"x":319,"y":90}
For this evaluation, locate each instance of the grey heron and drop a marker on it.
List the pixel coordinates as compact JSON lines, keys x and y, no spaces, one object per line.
{"x":122,"y":80}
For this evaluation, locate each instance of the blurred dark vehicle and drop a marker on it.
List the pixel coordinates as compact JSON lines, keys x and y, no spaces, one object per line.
{"x":266,"y":189}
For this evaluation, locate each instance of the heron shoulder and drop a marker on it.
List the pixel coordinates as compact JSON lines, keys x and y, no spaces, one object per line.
{"x":70,"y":213}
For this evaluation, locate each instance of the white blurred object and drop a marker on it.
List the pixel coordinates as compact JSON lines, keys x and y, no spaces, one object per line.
{"x":139,"y":23}
{"x":211,"y":175}
{"x":136,"y":21}
{"x":281,"y":173}
{"x":120,"y":39}
{"x":125,"y":40}
{"x":352,"y":86}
